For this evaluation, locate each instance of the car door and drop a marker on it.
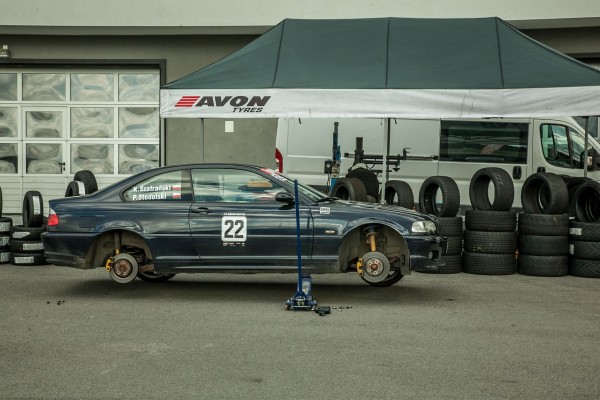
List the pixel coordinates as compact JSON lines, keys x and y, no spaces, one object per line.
{"x":235,"y":221}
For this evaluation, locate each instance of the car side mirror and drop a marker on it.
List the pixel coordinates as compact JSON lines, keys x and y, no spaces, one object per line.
{"x":284,"y":197}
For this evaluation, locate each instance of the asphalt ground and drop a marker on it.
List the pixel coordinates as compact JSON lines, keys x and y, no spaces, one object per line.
{"x":73,"y":334}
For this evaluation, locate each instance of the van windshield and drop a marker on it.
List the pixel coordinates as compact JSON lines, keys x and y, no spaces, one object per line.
{"x":484,"y":141}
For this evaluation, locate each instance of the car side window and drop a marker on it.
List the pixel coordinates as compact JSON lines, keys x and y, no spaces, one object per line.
{"x":232,"y":186}
{"x":561,"y":148}
{"x":170,"y":186}
{"x":482,"y":141}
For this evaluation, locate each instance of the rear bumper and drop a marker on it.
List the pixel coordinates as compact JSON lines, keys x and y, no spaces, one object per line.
{"x":68,"y":250}
{"x":426,"y":252}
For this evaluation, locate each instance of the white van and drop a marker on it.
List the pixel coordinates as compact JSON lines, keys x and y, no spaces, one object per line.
{"x":455,"y":148}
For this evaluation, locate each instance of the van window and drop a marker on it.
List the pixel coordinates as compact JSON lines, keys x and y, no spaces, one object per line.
{"x":562,"y":147}
{"x":483,"y":141}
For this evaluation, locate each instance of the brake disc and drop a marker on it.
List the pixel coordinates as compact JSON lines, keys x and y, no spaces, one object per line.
{"x":376,"y":267}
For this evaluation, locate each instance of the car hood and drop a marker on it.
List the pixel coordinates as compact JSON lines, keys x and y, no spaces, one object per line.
{"x":381,"y":210}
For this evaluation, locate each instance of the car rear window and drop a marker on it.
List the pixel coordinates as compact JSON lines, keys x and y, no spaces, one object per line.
{"x":169,"y":186}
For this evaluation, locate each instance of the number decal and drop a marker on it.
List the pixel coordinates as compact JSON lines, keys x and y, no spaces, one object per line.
{"x":233,"y":229}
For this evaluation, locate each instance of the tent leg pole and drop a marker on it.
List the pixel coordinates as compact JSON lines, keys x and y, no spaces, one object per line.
{"x":585,"y":148}
{"x":386,"y":152}
{"x":202,"y":140}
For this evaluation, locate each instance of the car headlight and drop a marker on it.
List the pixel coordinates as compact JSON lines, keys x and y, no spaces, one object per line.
{"x":424,"y":227}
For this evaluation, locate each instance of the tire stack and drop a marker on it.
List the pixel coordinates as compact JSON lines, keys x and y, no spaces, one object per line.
{"x":544,"y":226}
{"x":585,"y":232}
{"x":5,"y":227}
{"x":84,"y":182}
{"x":490,"y":238}
{"x":25,"y":240}
{"x":433,"y":189}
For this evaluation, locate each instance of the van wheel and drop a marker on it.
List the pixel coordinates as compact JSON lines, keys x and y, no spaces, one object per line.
{"x":504,"y":190}
{"x":349,"y":189}
{"x":448,"y":204}
{"x":399,"y":193}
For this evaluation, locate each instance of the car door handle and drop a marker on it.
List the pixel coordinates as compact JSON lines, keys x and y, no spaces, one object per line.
{"x":201,"y":210}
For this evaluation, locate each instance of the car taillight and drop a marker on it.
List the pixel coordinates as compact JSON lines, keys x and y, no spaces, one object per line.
{"x":279,"y":160}
{"x":52,"y":218}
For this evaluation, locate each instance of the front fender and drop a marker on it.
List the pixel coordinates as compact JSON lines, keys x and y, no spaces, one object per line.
{"x":402,"y":231}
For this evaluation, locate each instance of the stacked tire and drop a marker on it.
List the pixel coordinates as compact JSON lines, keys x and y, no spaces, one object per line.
{"x":5,"y":227}
{"x":585,"y":249}
{"x":25,"y":240}
{"x":490,"y":238}
{"x":84,"y":182}
{"x":544,"y":226}
{"x":543,"y":244}
{"x":439,"y":196}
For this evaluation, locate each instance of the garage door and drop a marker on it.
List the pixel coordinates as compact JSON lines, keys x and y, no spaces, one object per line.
{"x":55,"y":122}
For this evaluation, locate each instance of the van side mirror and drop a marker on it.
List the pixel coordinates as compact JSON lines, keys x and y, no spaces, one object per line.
{"x":593,"y":159}
{"x":284,"y":197}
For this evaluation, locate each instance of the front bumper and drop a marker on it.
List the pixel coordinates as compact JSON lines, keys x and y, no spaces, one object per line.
{"x":426,"y":252}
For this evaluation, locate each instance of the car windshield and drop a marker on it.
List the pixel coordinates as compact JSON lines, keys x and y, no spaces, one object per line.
{"x":311,"y":193}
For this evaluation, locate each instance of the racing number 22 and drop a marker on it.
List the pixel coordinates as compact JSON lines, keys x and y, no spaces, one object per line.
{"x":233,"y":228}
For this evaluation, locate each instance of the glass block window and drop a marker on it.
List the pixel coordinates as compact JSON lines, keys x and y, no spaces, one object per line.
{"x":8,"y":87}
{"x":138,"y":87}
{"x":8,"y":122}
{"x":44,"y":87}
{"x":92,"y":87}
{"x":44,"y":124}
{"x":138,"y":122}
{"x":92,"y":122}
{"x":98,"y":157}
{"x":134,"y":158}
{"x":8,"y":158}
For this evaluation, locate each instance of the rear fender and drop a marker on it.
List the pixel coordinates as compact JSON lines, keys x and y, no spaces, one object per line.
{"x":105,"y":244}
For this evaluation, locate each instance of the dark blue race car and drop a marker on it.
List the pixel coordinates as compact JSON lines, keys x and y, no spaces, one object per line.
{"x":234,"y":218}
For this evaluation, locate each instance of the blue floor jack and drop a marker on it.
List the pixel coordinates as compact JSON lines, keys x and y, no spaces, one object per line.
{"x":302,"y":300}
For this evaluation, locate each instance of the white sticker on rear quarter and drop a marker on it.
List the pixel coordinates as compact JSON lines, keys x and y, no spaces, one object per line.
{"x":571,"y":248}
{"x":24,"y":260}
{"x":36,"y":205}
{"x":33,"y":246}
{"x":575,"y":231}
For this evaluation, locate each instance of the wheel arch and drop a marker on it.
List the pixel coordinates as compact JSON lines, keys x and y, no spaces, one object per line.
{"x":390,"y":241}
{"x":107,"y":242}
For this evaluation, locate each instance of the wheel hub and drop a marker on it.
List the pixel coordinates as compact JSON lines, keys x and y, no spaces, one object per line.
{"x":123,"y":268}
{"x":376,"y":267}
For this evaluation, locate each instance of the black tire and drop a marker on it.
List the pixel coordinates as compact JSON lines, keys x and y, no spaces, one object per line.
{"x":33,"y":209}
{"x":75,"y":188}
{"x":368,"y":178}
{"x":88,"y":179}
{"x":1,"y":205}
{"x":491,"y":221}
{"x":152,"y":276}
{"x":450,"y":196}
{"x":399,"y":193}
{"x":543,"y":265}
{"x":394,"y":277}
{"x":5,"y":224}
{"x":21,"y":232}
{"x":504,"y":190}
{"x":349,"y":189}
{"x":4,"y":256}
{"x":25,"y":246}
{"x":489,"y":264}
{"x":455,"y":245}
{"x":544,"y":224}
{"x":28,"y":259}
{"x":585,"y":203}
{"x":585,"y":231}
{"x":573,"y":183}
{"x":586,"y":250}
{"x":490,"y":242}
{"x":535,"y":245}
{"x":450,"y":226}
{"x":545,"y":193}
{"x":453,"y":265}
{"x":584,"y":268}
